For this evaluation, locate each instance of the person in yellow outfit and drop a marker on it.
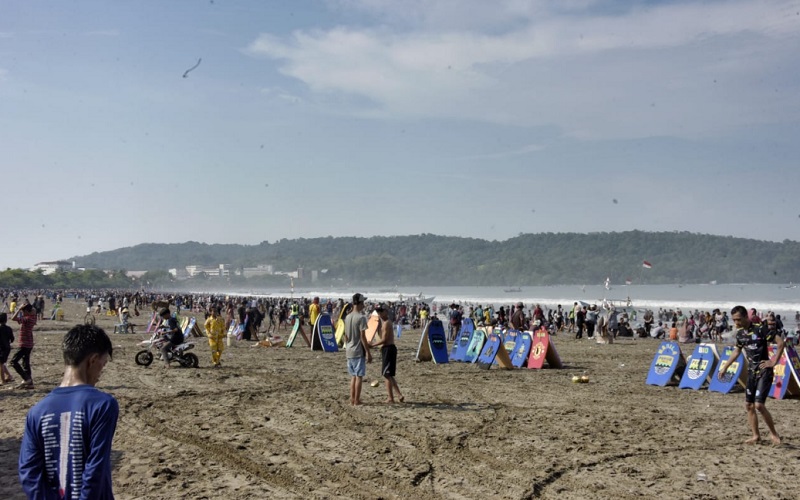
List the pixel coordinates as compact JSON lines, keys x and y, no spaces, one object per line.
{"x":313,"y":311}
{"x":215,"y":331}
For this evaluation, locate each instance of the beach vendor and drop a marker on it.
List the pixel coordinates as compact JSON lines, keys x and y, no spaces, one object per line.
{"x":754,"y":339}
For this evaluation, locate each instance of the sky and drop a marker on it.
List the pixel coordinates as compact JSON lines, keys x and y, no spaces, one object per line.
{"x":393,"y":117}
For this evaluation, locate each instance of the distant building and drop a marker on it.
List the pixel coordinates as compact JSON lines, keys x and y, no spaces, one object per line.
{"x":221,"y":270}
{"x":51,"y":267}
{"x":178,"y":274}
{"x":260,"y":270}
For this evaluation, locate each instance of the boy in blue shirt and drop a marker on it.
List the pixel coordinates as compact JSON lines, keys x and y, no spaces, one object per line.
{"x":66,"y":448}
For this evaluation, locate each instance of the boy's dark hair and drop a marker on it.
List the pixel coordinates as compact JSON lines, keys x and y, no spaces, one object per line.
{"x":3,"y":318}
{"x":739,"y":309}
{"x":84,"y":340}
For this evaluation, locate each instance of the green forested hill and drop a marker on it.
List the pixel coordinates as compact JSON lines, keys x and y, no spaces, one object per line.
{"x":529,"y":259}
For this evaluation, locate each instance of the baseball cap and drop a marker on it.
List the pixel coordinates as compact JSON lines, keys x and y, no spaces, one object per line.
{"x":359,"y":299}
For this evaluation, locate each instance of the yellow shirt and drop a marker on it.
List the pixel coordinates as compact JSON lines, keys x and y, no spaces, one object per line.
{"x":215,"y":327}
{"x":313,"y":312}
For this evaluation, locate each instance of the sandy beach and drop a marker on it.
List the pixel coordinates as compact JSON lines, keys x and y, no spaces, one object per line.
{"x":276,"y":423}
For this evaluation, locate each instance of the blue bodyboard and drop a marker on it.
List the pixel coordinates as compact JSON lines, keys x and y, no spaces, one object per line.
{"x":475,"y":345}
{"x":461,"y":343}
{"x":437,"y":340}
{"x":509,"y":341}
{"x":521,"y":350}
{"x":702,"y":364}
{"x":324,"y":336}
{"x":189,"y":326}
{"x":733,"y":375}
{"x":668,"y":365}
{"x":489,"y":351}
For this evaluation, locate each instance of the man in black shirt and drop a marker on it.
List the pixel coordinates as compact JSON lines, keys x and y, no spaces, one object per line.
{"x":754,"y":339}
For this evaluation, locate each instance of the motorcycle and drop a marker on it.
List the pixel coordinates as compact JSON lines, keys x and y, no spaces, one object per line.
{"x":178,"y":353}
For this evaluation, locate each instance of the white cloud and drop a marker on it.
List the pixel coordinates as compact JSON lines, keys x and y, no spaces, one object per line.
{"x":282,"y":94}
{"x":681,"y":69}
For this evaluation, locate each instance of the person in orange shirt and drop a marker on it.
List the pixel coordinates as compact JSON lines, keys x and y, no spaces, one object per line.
{"x":673,"y":332}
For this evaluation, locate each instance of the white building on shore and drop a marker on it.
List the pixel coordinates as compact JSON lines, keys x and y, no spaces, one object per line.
{"x":51,"y":267}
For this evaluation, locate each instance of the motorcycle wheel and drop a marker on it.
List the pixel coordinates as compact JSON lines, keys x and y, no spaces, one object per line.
{"x":144,"y":358}
{"x":190,"y":360}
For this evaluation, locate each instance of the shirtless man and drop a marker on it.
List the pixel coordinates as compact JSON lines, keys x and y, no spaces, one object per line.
{"x":754,"y":340}
{"x":388,"y":354}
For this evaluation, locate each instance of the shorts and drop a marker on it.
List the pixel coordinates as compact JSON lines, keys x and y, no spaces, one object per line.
{"x":388,"y":360}
{"x":758,"y":386}
{"x":4,"y":356}
{"x":357,"y":367}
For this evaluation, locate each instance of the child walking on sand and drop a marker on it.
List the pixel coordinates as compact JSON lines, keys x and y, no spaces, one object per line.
{"x":6,"y":338}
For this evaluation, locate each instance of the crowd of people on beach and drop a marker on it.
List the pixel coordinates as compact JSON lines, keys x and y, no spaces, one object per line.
{"x":271,"y":315}
{"x":88,"y":417}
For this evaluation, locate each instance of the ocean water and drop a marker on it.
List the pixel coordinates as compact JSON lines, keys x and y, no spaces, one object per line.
{"x":782,"y":299}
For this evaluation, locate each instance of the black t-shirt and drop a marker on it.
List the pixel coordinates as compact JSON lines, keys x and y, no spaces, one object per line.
{"x":175,"y":333}
{"x":6,"y":338}
{"x":754,"y":342}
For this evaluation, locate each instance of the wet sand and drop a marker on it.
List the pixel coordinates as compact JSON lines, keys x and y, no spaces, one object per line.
{"x":276,"y":423}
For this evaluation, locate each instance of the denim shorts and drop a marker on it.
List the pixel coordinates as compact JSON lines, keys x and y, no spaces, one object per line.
{"x":357,"y":367}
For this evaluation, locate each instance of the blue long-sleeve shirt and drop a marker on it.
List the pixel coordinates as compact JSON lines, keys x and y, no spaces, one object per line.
{"x":66,"y":448}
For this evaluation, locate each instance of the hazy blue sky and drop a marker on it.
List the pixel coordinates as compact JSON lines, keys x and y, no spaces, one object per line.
{"x":384,"y":117}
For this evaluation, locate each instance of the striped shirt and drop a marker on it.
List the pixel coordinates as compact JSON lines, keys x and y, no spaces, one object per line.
{"x":26,"y":324}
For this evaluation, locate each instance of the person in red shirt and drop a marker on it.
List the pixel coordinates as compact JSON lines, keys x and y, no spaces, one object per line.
{"x":22,"y":358}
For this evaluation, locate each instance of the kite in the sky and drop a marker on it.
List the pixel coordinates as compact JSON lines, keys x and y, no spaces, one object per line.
{"x":186,"y":73}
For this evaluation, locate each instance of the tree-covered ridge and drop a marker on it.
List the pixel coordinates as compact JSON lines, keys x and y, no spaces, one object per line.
{"x":528,"y":259}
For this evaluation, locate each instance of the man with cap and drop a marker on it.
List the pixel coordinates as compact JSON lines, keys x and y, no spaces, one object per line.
{"x":518,"y":318}
{"x":357,"y":348}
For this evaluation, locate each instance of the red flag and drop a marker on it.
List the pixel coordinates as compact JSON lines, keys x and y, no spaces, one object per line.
{"x":646,"y":264}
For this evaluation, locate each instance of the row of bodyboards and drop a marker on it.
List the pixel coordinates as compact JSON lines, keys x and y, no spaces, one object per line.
{"x":670,"y":367}
{"x":487,"y":347}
